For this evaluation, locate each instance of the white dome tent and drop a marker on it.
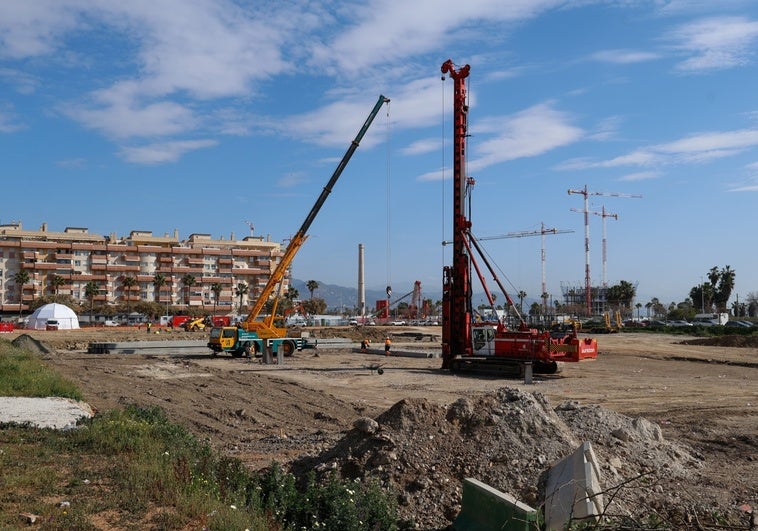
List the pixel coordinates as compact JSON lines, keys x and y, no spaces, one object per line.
{"x":67,"y":319}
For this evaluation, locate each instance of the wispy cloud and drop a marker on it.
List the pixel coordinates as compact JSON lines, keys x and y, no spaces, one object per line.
{"x":715,"y":43}
{"x":624,"y":56}
{"x":164,"y":152}
{"x":528,"y":133}
{"x":697,"y":148}
{"x":420,"y":147}
{"x":640,"y":176}
{"x":9,"y":121}
{"x":291,"y":180}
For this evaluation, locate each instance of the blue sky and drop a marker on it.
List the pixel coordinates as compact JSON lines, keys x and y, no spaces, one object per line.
{"x":201,"y":116}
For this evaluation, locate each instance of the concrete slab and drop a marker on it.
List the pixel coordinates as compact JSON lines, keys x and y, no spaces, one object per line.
{"x":573,"y":491}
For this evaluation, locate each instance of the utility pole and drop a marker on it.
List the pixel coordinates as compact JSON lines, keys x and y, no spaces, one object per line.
{"x":586,"y":211}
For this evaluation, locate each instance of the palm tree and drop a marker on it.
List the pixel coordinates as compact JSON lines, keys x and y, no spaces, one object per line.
{"x":21,"y":278}
{"x":638,"y":306}
{"x":241,"y":290}
{"x":91,"y":290}
{"x":159,"y":280}
{"x":216,"y":289}
{"x":521,"y":297}
{"x":188,"y":280}
{"x":312,"y":286}
{"x":56,"y":282}
{"x":127,"y":284}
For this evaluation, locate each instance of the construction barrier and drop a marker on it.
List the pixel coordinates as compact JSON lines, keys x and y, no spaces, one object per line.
{"x":484,"y":507}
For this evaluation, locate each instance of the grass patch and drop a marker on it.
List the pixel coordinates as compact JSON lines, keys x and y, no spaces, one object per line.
{"x":24,"y":374}
{"x":132,"y":468}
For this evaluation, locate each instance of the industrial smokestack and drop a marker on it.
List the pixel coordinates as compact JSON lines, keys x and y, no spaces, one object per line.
{"x":361,"y":283}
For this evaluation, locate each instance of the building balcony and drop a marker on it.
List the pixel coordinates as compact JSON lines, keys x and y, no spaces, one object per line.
{"x":63,"y":256}
{"x":130,"y":258}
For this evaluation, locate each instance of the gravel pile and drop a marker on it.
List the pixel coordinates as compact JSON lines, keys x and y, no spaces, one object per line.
{"x":507,"y":439}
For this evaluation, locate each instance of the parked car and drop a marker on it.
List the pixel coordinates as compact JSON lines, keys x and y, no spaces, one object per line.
{"x":111,"y":323}
{"x":52,"y":324}
{"x":678,"y":323}
{"x":398,"y":323}
{"x":739,"y":324}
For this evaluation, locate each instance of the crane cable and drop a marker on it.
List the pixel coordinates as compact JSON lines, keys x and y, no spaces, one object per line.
{"x":389,"y":205}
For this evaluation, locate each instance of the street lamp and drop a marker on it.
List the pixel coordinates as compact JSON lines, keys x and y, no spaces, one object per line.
{"x":702,"y":295}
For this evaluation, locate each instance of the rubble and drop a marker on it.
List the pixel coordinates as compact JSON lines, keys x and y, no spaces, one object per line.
{"x":507,"y":439}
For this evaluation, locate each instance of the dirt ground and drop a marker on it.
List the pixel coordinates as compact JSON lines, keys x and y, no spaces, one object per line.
{"x":703,"y":398}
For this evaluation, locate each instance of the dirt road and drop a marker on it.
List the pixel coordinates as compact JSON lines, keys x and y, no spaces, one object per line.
{"x":702,"y":396}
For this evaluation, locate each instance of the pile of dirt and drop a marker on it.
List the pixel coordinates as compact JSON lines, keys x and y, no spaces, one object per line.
{"x":740,"y":341}
{"x":507,"y":439}
{"x":27,"y":342}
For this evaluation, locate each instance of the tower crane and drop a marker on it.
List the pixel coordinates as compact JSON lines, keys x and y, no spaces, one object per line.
{"x":250,"y":226}
{"x":542,"y":232}
{"x":604,"y":215}
{"x":586,"y":211}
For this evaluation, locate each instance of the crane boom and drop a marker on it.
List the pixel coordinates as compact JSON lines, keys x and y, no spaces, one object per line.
{"x":266,"y":328}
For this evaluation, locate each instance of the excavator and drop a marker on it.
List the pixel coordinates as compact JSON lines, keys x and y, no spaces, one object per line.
{"x":255,"y":335}
{"x":473,"y":345}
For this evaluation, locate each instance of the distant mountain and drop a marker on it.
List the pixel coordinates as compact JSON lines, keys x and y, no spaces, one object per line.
{"x":340,"y":298}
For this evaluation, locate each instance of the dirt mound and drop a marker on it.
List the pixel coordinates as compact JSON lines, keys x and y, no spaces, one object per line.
{"x":725,"y":341}
{"x":27,"y":342}
{"x":507,"y":439}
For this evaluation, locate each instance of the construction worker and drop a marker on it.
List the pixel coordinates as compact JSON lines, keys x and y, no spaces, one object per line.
{"x":387,"y":346}
{"x":364,"y":345}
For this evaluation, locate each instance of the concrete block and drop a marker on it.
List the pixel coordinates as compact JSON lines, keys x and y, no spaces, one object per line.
{"x":484,"y":508}
{"x":573,"y":491}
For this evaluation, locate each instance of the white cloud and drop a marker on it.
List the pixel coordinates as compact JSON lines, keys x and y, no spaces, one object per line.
{"x":291,"y":180}
{"x":640,"y":176}
{"x":716,"y":43}
{"x":420,"y":147}
{"x":159,"y":153}
{"x":437,"y":175}
{"x":8,"y":121}
{"x":529,"y":133}
{"x":122,"y":118}
{"x":29,"y":29}
{"x":386,"y":31}
{"x":624,"y":56}
{"x":696,"y":148}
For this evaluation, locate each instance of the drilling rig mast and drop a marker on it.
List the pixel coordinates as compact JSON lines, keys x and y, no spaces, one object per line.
{"x":487,"y":346}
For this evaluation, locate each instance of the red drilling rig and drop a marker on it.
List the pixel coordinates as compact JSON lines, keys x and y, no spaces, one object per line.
{"x":467,"y":343}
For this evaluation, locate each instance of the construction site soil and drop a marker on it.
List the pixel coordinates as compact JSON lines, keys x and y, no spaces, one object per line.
{"x":673,"y":420}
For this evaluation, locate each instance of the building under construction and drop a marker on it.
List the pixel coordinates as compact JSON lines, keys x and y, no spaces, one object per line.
{"x":575,"y":296}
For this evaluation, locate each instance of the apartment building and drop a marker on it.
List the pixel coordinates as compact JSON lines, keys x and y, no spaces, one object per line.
{"x":79,"y":257}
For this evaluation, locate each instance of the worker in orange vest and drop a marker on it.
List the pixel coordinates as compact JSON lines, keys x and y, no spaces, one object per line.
{"x":387,"y":345}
